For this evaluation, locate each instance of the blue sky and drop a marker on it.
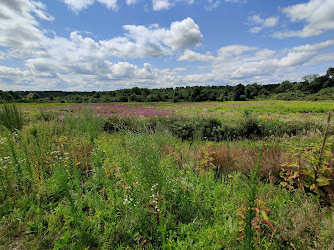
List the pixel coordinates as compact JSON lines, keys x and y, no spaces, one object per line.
{"x":85,"y":45}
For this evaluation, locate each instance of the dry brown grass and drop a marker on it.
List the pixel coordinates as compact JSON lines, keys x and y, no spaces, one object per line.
{"x":227,"y":159}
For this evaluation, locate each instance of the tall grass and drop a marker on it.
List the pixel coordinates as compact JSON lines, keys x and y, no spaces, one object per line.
{"x":85,"y":122}
{"x":11,"y":117}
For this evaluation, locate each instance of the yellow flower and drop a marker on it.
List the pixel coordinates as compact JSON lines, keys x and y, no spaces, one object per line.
{"x":78,"y":163}
{"x":229,"y":176}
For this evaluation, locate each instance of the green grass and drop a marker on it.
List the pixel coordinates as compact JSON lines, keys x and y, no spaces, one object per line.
{"x":11,"y":117}
{"x":66,"y":184}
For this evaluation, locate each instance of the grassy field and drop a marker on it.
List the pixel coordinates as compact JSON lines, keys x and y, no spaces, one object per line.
{"x":247,"y":175}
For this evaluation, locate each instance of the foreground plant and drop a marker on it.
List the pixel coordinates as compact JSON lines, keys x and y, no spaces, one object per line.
{"x":254,"y":214}
{"x":258,"y":222}
{"x":310,"y":167}
{"x":309,"y":170}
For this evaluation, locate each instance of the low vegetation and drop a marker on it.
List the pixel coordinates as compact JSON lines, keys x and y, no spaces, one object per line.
{"x":190,"y":176}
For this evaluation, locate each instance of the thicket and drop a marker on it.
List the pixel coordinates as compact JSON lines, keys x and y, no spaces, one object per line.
{"x":313,"y":87}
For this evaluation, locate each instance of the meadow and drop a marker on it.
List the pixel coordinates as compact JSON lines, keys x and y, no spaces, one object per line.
{"x":212,"y":175}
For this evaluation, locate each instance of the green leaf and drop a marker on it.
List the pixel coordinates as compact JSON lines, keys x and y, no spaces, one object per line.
{"x":307,"y":184}
{"x":264,"y":214}
{"x":309,"y":172}
{"x":323,"y":181}
{"x":295,"y":174}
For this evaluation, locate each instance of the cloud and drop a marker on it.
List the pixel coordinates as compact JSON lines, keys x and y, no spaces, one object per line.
{"x":78,"y":5}
{"x":130,"y":2}
{"x":80,"y":62}
{"x":140,"y":41}
{"x":232,"y":51}
{"x":213,"y":4}
{"x":19,"y":28}
{"x":198,"y":79}
{"x":259,"y":23}
{"x":20,"y":32}
{"x":180,"y":69}
{"x":190,"y":56}
{"x":161,"y":5}
{"x":7,"y":71}
{"x":2,"y":55}
{"x":317,"y":14}
{"x":319,"y":58}
{"x":183,"y":34}
{"x":302,"y":54}
{"x":157,"y":5}
{"x":127,"y":70}
{"x":250,"y":64}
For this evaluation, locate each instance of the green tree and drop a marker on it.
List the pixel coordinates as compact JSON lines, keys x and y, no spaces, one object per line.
{"x":251,"y":91}
{"x":33,"y":96}
{"x":136,"y":91}
{"x":330,"y":73}
{"x":239,"y":92}
{"x":310,"y":78}
{"x":285,"y":86}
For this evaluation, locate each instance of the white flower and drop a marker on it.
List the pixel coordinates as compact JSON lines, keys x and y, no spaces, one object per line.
{"x":127,"y":200}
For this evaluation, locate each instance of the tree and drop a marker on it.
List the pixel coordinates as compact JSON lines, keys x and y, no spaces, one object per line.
{"x":330,"y":73}
{"x":136,"y":91}
{"x":97,"y":95}
{"x":285,"y":86}
{"x":310,"y":78}
{"x":33,"y":96}
{"x":251,"y":91}
{"x":195,"y":95}
{"x":239,"y":92}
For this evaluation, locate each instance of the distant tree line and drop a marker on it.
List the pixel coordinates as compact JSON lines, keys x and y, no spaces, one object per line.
{"x":313,"y":87}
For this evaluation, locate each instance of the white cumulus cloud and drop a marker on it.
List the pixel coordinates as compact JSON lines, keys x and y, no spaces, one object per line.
{"x":316,"y":14}
{"x":190,"y":55}
{"x":161,"y":5}
{"x":249,"y":64}
{"x":141,"y":41}
{"x":19,"y":29}
{"x":80,"y":62}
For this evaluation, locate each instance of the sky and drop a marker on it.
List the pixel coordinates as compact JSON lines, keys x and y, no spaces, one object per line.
{"x":100,"y":45}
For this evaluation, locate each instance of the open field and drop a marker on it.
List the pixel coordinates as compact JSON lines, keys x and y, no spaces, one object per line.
{"x":231,"y":175}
